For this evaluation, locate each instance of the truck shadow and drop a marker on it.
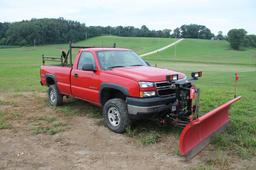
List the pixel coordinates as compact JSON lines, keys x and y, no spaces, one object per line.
{"x":76,"y":107}
{"x":147,"y":131}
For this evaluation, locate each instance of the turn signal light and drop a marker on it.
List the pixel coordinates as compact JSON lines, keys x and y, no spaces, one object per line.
{"x":196,"y":74}
{"x":147,"y":93}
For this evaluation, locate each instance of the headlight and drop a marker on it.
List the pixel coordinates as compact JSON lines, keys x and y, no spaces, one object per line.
{"x":146,"y":84}
{"x":147,"y":93}
{"x":175,"y":77}
{"x":172,"y":77}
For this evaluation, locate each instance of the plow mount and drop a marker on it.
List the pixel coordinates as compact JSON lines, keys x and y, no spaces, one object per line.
{"x":198,"y":132}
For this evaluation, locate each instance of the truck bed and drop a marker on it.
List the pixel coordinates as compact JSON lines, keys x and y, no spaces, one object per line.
{"x":61,"y":74}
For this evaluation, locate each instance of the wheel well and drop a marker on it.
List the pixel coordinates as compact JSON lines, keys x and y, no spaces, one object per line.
{"x":109,"y":93}
{"x":50,"y":81}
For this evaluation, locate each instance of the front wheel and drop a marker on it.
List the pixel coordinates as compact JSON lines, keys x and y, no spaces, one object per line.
{"x":54,"y":97}
{"x":115,"y":115}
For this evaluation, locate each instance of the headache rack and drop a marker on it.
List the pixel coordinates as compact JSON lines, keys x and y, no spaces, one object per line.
{"x":66,"y":58}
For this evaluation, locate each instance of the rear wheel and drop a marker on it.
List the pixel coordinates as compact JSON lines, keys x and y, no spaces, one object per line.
{"x":54,"y":97}
{"x":116,"y":115}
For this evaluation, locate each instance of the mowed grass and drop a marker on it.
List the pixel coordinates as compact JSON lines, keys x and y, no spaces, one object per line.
{"x":19,"y":71}
{"x":219,"y":65}
{"x":139,"y":44}
{"x":206,"y":51}
{"x":19,"y":67}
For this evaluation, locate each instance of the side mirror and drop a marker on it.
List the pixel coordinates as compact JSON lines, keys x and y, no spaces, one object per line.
{"x":88,"y":67}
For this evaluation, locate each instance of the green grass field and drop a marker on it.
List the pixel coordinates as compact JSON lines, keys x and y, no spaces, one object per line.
{"x":219,"y":64}
{"x":22,"y":64}
{"x":19,"y":71}
{"x":205,"y":51}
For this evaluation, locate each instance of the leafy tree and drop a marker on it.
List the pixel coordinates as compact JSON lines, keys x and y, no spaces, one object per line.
{"x":195,"y":31}
{"x":144,"y":31}
{"x":249,"y":41}
{"x":236,"y":38}
{"x":166,"y":32}
{"x":205,"y":33}
{"x":3,"y":28}
{"x":176,"y":33}
{"x":220,"y":36}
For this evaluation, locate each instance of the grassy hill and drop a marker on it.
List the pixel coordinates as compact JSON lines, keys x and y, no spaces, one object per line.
{"x":19,"y":71}
{"x":139,"y":44}
{"x":206,"y":51}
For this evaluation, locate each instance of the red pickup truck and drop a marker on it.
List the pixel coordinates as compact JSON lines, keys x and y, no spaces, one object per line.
{"x":122,"y":83}
{"x":128,"y":88}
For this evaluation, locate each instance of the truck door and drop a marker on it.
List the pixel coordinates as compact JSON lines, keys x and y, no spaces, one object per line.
{"x":85,"y":84}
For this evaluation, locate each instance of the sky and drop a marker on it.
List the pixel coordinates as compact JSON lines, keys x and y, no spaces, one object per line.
{"x":218,"y":15}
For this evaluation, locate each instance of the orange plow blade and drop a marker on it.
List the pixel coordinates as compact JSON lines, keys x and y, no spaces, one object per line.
{"x":196,"y":134}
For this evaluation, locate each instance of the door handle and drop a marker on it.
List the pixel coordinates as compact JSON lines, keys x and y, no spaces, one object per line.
{"x":75,"y":75}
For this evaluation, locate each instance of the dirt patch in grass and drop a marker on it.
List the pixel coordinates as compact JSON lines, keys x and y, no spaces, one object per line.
{"x":73,"y":137}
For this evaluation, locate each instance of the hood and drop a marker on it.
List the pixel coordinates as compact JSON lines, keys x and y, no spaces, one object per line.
{"x":144,"y":73}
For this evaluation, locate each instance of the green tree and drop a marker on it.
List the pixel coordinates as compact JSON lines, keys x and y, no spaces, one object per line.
{"x":144,"y":31}
{"x":220,"y":36}
{"x":176,"y":33}
{"x":236,"y":38}
{"x":3,"y":28}
{"x":195,"y":31}
{"x":249,"y":41}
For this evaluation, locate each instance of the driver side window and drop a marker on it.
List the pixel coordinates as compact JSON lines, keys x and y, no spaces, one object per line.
{"x":85,"y":58}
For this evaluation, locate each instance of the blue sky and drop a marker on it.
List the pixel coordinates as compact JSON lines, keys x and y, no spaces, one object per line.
{"x":156,"y":14}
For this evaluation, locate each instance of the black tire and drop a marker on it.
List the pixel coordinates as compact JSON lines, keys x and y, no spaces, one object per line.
{"x":121,"y":107}
{"x":57,"y":99}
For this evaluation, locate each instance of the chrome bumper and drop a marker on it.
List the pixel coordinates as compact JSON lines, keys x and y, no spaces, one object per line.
{"x":149,"y":105}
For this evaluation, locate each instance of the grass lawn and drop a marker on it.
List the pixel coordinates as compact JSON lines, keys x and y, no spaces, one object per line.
{"x":139,"y":44}
{"x":219,"y":65}
{"x":19,"y":71}
{"x":19,"y":67}
{"x":206,"y":51}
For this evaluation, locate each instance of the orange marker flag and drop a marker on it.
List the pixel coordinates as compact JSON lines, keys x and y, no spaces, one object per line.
{"x":237,"y":76}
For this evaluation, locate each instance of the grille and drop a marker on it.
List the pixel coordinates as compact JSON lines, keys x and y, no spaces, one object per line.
{"x":165,"y":88}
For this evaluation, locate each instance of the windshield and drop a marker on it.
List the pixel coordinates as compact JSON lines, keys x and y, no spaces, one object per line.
{"x":110,"y":59}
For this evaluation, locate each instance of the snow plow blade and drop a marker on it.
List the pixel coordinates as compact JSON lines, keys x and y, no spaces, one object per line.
{"x":196,"y":134}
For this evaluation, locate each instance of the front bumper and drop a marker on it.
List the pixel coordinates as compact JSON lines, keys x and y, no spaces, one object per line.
{"x":154,"y":105}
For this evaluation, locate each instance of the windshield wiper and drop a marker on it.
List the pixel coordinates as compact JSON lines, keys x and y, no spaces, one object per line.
{"x":137,"y":65}
{"x":114,"y":67}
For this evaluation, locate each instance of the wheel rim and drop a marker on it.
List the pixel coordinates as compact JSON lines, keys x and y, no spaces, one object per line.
{"x":113,"y":116}
{"x":52,"y":96}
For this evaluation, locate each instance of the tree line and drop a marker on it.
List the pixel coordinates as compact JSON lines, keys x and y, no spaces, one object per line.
{"x":41,"y":31}
{"x":193,"y":31}
{"x":128,"y":31}
{"x":54,"y":31}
